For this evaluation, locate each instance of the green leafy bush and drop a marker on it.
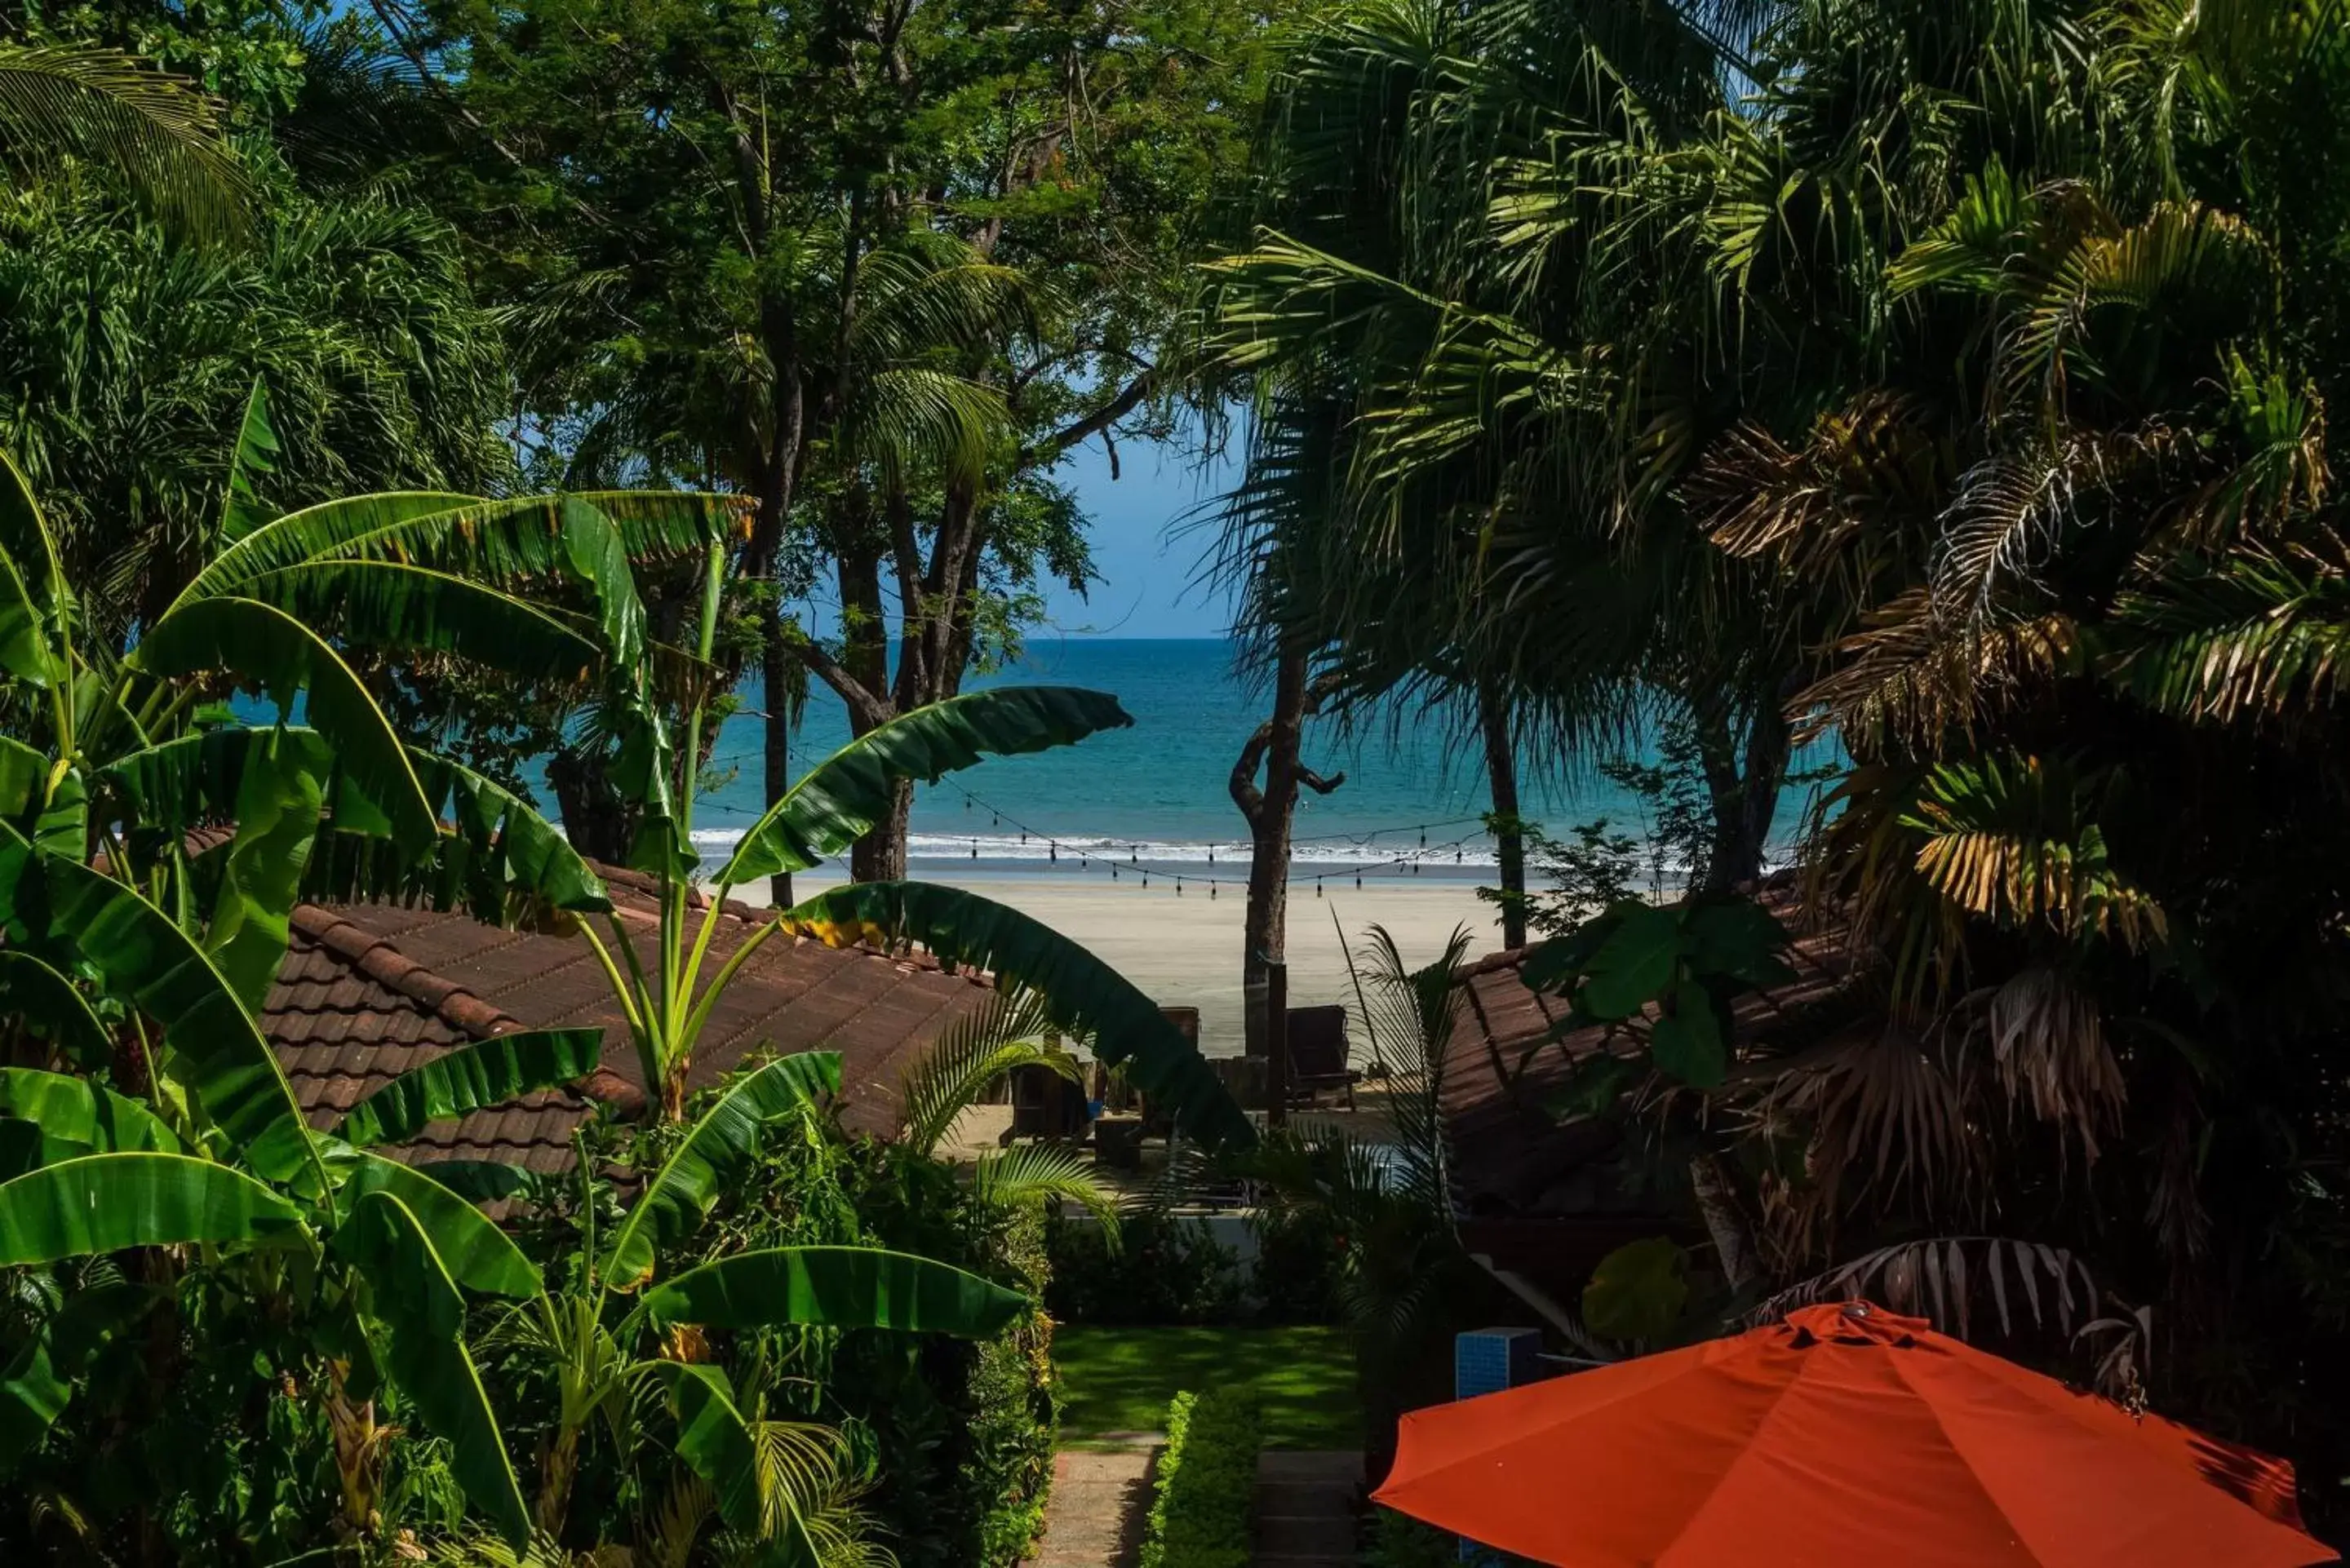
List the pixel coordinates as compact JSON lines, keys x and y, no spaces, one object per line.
{"x":1301,"y":1253}
{"x":1206,"y":1484}
{"x":1167,"y":1269}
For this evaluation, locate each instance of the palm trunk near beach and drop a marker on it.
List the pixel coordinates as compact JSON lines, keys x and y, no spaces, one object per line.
{"x":1510,"y":844}
{"x":1271,"y":811}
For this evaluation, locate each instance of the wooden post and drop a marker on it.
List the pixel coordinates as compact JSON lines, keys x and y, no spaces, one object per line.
{"x":1276,"y":1043}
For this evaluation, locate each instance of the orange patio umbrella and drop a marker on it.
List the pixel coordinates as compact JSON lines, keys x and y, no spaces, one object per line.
{"x":1847,"y":1436}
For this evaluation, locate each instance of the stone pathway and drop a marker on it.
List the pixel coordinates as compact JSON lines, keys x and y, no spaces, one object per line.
{"x":1100,"y":1499}
{"x":1305,"y":1508}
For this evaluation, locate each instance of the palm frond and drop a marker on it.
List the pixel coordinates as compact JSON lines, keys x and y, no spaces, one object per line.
{"x":2254,"y":634}
{"x":158,"y":131}
{"x":1949,"y":1278}
{"x":1038,"y":1173}
{"x":2014,"y":841}
{"x":974,"y":1055}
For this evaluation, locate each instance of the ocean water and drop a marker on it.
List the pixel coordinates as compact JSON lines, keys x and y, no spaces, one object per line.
{"x":1155,"y":797}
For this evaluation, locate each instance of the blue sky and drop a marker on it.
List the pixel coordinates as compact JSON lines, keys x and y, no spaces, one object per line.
{"x":1148,"y":544}
{"x":1151,"y":542}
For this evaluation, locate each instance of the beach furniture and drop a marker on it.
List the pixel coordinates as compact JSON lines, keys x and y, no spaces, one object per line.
{"x":1045,"y":1104}
{"x":1317,"y":1055}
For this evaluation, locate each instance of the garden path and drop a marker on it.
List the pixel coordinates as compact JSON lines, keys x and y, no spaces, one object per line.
{"x":1100,"y":1499}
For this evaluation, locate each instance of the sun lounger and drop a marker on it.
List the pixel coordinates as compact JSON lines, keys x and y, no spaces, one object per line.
{"x":1317,"y":1055}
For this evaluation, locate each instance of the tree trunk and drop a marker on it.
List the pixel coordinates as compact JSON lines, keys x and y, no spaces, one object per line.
{"x":778,"y":473}
{"x":1725,"y":1222}
{"x":1744,"y":790}
{"x":597,"y":822}
{"x":1270,"y":812}
{"x":1501,"y":773}
{"x":778,"y":672}
{"x":880,"y":855}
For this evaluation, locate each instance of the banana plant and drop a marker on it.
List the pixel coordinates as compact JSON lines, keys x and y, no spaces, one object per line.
{"x":668,"y":980}
{"x":378,"y":1252}
{"x":596,"y":1332}
{"x":283,"y":603}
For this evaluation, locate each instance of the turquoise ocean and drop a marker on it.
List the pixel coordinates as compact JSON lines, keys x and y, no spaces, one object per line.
{"x":1154,"y":798}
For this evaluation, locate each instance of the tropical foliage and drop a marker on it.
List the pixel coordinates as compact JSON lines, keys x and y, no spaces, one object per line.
{"x":1951,"y":378}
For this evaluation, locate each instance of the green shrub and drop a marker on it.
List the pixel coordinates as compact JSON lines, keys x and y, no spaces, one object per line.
{"x":1166,"y":1269}
{"x":1206,"y":1485}
{"x":1300,"y":1256}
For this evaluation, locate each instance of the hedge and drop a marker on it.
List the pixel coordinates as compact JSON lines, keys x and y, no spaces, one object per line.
{"x":1206,"y":1487}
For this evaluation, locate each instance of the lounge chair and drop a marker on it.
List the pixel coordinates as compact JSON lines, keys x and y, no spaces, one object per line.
{"x":1317,"y":1055}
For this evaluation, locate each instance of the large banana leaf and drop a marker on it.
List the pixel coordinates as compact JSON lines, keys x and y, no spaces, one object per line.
{"x":23,"y":777}
{"x":33,"y":597}
{"x":255,"y":453}
{"x":399,"y":607}
{"x":76,"y":1109}
{"x":841,"y":799}
{"x":277,"y":803}
{"x":486,"y":1072}
{"x":836,"y":1287}
{"x":1084,"y":995}
{"x":411,"y":1292}
{"x":143,"y":958}
{"x":24,"y":1147}
{"x":106,"y":1202}
{"x":36,"y":1387}
{"x":714,"y":1441}
{"x":477,"y":1254}
{"x":37,"y":994}
{"x":197,"y":780}
{"x":498,"y":851}
{"x":338,"y":528}
{"x":721,"y":1144}
{"x":269,"y":782}
{"x":507,"y":543}
{"x":49,"y":802}
{"x":264,"y":648}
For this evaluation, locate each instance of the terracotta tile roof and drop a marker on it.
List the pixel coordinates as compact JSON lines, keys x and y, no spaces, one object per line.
{"x":1509,"y":1156}
{"x":367,"y":990}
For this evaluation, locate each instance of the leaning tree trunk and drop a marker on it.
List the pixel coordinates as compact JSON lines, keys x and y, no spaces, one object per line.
{"x":1501,"y":773}
{"x":1270,"y":811}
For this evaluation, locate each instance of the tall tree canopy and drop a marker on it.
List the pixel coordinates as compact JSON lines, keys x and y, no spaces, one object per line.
{"x":881,"y":267}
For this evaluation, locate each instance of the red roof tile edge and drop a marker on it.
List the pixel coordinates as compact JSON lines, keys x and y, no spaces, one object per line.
{"x":380,"y":960}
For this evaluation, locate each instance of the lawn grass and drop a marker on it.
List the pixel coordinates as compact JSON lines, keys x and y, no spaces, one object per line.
{"x":1119,"y":1380}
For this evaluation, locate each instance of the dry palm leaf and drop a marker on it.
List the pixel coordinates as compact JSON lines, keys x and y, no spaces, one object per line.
{"x":2048,"y":1043}
{"x":1945,"y":1278}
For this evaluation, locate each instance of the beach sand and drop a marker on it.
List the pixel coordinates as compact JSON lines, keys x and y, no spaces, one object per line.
{"x":1184,"y":950}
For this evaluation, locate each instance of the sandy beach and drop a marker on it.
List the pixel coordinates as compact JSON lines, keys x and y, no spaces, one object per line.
{"x":1185,"y":950}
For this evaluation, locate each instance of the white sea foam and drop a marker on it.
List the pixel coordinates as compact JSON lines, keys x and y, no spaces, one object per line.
{"x":999,"y":847}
